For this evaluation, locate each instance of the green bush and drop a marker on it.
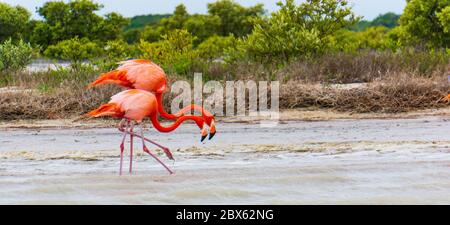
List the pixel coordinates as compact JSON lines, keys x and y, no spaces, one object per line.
{"x":151,"y":33}
{"x":281,"y":41}
{"x":298,"y":30}
{"x":132,"y":36}
{"x":216,"y":47}
{"x":114,"y":52}
{"x":75,"y":50}
{"x":119,"y":50}
{"x":14,"y":57}
{"x":372,"y":38}
{"x":174,"y":52}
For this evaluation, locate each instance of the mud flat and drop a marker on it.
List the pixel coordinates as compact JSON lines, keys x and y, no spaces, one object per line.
{"x":346,"y":161}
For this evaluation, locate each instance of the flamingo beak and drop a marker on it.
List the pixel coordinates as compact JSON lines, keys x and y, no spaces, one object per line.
{"x":204,"y":133}
{"x":212,"y":130}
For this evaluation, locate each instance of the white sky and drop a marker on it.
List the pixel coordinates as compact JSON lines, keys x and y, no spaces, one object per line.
{"x":367,"y":8}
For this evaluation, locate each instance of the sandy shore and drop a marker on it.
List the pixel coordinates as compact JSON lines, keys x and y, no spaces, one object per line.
{"x":285,"y":116}
{"x":347,"y":161}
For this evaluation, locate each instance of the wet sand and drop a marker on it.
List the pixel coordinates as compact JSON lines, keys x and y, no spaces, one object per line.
{"x":389,"y":161}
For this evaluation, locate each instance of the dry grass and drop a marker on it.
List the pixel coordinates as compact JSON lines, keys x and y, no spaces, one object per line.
{"x":395,"y":83}
{"x":394,"y":94}
{"x":60,"y":103}
{"x":366,"y":66}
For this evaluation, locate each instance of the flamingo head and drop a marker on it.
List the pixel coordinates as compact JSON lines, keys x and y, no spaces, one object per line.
{"x":209,"y":120}
{"x":446,"y":99}
{"x":204,"y":133}
{"x":212,"y":129}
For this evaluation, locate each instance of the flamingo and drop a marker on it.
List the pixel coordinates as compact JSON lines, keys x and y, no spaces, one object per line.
{"x":145,"y":75}
{"x":135,"y":105}
{"x":446,"y":99}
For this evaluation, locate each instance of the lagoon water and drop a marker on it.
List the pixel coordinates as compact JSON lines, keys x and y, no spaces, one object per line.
{"x":330,"y":162}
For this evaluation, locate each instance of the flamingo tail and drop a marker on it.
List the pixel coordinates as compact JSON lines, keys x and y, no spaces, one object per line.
{"x":113,"y":77}
{"x":110,"y":109}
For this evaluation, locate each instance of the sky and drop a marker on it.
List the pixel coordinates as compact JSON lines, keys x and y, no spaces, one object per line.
{"x":367,"y":8}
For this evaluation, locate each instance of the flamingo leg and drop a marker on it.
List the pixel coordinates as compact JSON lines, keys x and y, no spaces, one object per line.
{"x":165,"y":149}
{"x":131,"y":148}
{"x":122,"y":145}
{"x":150,"y":153}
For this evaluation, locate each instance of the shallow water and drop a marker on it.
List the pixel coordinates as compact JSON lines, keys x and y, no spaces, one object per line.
{"x":343,"y":162}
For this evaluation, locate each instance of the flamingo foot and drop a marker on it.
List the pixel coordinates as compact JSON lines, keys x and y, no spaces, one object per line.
{"x":168,"y":153}
{"x":122,"y":148}
{"x":131,"y":150}
{"x":165,"y":149}
{"x":157,"y":159}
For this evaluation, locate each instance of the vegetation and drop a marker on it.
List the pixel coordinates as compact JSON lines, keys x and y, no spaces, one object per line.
{"x":315,"y":42}
{"x":137,"y":22}
{"x":74,"y":49}
{"x":74,"y":31}
{"x":13,"y":22}
{"x":388,"y":20}
{"x":426,"y":23}
{"x":175,"y":51}
{"x":302,"y":30}
{"x":14,"y":57}
{"x":65,"y":21}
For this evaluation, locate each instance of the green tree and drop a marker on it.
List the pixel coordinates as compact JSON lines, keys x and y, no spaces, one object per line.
{"x":202,"y":26}
{"x":111,"y":27}
{"x":425,"y":23}
{"x":444,"y":19}
{"x":176,"y":21}
{"x":175,"y":51}
{"x":78,"y":18}
{"x":216,"y":47}
{"x":297,"y":30}
{"x":389,"y":20}
{"x":235,"y":19}
{"x":13,"y":22}
{"x":152,"y":33}
{"x":132,"y":36}
{"x":138,"y":22}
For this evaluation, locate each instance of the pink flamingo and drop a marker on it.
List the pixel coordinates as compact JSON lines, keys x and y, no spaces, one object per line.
{"x":146,"y":75}
{"x":134,"y":106}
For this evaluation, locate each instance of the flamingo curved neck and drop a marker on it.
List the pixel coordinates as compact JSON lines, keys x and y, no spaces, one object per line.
{"x":175,"y":125}
{"x":161,"y":110}
{"x":188,"y":108}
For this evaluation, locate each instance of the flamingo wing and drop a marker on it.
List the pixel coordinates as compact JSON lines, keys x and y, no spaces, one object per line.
{"x":136,"y":74}
{"x":136,"y":104}
{"x":110,"y":109}
{"x":146,"y":76}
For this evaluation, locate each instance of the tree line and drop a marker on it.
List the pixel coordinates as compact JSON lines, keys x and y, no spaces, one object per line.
{"x":228,"y":32}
